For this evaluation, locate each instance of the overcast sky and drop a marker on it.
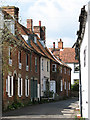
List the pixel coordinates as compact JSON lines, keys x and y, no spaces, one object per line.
{"x":59,"y":16}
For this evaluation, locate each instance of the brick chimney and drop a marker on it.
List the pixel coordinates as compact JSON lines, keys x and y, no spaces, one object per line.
{"x":30,"y":24}
{"x":12,"y":10}
{"x":40,"y":23}
{"x":53,"y":45}
{"x":60,"y":44}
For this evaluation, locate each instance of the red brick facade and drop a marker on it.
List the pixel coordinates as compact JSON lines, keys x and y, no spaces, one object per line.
{"x":15,"y":72}
{"x":58,"y":76}
{"x":21,"y":65}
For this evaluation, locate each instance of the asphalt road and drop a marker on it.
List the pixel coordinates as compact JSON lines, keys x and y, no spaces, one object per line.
{"x":49,"y":111}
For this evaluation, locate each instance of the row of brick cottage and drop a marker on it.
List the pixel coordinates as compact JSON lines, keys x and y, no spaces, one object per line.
{"x":27,"y":63}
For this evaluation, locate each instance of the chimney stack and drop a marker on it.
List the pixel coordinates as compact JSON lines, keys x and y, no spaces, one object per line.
{"x":60,"y":44}
{"x":12,"y":10}
{"x":30,"y":24}
{"x":40,"y":23}
{"x":53,"y":45}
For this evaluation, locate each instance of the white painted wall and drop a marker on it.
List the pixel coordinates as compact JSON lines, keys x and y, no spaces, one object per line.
{"x":44,"y":73}
{"x":84,"y":73}
{"x":73,"y":74}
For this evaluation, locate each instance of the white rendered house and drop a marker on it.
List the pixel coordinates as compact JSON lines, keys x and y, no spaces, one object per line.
{"x":82,"y":41}
{"x":44,"y":74}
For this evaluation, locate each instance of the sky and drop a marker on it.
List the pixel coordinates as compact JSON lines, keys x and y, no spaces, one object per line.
{"x":60,"y":17}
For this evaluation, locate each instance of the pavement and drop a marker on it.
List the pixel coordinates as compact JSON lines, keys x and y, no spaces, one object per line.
{"x":64,"y":109}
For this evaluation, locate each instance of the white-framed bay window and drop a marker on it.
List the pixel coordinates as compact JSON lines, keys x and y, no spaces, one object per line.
{"x":26,"y":87}
{"x":9,"y":86}
{"x":61,"y":85}
{"x":20,"y":83}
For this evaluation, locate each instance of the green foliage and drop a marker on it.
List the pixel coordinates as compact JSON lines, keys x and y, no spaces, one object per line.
{"x":48,"y":94}
{"x":75,"y":86}
{"x":15,"y":105}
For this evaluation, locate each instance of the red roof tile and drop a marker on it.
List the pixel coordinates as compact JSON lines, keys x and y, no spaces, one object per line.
{"x":67,"y":55}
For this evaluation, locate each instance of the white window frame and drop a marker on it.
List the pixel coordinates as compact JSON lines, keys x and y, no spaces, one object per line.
{"x":42,"y":64}
{"x":65,"y":85}
{"x":20,"y":64}
{"x":10,"y":95}
{"x":61,"y":85}
{"x":27,"y":66}
{"x":7,"y":85}
{"x":54,"y":68}
{"x":26,"y":80}
{"x":10,"y":60}
{"x":19,"y":87}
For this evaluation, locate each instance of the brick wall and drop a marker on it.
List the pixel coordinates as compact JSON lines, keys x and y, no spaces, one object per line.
{"x":58,"y":76}
{"x":14,"y":69}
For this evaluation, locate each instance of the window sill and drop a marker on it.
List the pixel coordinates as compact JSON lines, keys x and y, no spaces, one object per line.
{"x":19,"y":96}
{"x":10,"y":96}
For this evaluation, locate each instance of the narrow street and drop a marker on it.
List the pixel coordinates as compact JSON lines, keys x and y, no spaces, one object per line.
{"x":54,"y":110}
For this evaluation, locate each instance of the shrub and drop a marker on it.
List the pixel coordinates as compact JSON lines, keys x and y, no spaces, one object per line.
{"x":48,"y":94}
{"x":15,"y":105}
{"x":75,"y":86}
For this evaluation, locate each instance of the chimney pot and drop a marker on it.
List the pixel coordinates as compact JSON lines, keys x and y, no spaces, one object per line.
{"x":53,"y":45}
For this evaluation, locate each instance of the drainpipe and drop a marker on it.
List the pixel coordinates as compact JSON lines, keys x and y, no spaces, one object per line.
{"x":80,"y":83}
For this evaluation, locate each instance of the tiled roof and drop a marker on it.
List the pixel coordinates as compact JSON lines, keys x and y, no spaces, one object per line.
{"x":37,"y":47}
{"x":67,"y":55}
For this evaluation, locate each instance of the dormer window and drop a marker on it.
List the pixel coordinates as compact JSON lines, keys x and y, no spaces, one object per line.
{"x":10,"y":25}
